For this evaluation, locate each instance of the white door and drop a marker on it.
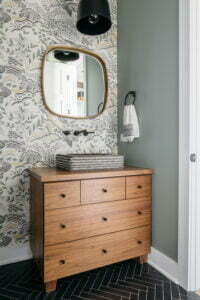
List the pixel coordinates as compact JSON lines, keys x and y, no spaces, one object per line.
{"x":189,"y":146}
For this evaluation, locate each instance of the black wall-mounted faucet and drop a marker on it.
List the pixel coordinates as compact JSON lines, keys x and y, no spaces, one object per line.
{"x":78,"y":132}
{"x":84,"y":132}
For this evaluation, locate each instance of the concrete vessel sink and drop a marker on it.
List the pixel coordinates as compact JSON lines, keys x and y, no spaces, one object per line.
{"x":75,"y":162}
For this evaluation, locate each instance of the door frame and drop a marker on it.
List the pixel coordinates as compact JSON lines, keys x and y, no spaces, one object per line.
{"x":189,"y":110}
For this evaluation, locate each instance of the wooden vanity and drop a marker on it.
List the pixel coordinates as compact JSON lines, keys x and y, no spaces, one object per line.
{"x":84,"y":220}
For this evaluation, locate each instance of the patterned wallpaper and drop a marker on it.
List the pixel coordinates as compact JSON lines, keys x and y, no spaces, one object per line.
{"x":29,"y":135}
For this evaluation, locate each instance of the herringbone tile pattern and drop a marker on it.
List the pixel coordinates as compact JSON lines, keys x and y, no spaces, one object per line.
{"x":123,"y":281}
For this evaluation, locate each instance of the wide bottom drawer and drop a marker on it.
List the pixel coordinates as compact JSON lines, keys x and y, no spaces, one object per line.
{"x":75,"y":257}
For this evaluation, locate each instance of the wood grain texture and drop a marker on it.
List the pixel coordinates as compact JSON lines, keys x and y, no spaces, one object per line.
{"x":102,"y":190}
{"x":37,"y":222}
{"x":61,"y":194}
{"x":75,"y":223}
{"x":138,"y":186}
{"x":55,"y":175}
{"x":79,"y":256}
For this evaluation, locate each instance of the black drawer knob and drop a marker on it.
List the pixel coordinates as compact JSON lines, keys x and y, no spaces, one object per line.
{"x":139,"y":186}
{"x":63,"y":226}
{"x":62,"y":262}
{"x":104,"y":251}
{"x":139,"y":242}
{"x":139,"y":213}
{"x":105,"y":190}
{"x":63,"y":195}
{"x":105,"y":219}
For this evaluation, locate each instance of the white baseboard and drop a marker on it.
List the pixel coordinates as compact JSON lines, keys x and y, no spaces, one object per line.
{"x":13,"y":255}
{"x":164,"y":264}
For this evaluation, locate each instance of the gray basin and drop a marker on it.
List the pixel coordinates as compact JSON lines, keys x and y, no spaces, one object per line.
{"x":75,"y":162}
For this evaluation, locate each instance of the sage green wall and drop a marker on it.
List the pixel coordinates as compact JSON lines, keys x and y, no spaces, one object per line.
{"x":148,"y":63}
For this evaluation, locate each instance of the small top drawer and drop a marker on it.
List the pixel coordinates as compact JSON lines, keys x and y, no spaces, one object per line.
{"x":138,"y":186}
{"x":61,"y":194}
{"x":102,"y":190}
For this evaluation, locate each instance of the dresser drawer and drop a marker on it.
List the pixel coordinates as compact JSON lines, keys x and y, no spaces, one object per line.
{"x":61,"y":194}
{"x":79,"y":256}
{"x":65,"y":225}
{"x":138,"y":186}
{"x":102,"y":190}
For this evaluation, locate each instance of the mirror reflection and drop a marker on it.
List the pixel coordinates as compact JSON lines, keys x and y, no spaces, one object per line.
{"x":74,"y":83}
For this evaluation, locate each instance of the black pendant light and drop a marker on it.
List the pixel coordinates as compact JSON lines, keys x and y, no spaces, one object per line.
{"x":66,"y":55}
{"x":93,"y":17}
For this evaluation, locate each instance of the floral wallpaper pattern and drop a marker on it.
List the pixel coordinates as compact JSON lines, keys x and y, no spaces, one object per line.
{"x":29,"y":135}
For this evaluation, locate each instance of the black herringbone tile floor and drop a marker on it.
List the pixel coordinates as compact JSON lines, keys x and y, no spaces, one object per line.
{"x":123,"y":281}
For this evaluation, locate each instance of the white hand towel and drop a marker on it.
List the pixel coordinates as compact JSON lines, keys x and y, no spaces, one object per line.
{"x":130,"y":129}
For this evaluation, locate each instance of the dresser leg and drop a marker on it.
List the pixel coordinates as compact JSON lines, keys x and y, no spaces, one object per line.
{"x":143,"y":259}
{"x":50,"y":286}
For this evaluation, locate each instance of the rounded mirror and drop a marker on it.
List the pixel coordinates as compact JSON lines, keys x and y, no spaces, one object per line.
{"x":74,"y":83}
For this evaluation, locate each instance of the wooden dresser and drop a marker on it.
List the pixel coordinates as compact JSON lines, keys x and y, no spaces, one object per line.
{"x":88,"y":219}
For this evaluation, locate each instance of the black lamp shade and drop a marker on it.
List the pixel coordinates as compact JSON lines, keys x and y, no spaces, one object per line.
{"x":66,"y":55}
{"x":93,"y":17}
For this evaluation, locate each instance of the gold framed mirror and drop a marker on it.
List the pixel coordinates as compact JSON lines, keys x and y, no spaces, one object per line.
{"x":74,"y":83}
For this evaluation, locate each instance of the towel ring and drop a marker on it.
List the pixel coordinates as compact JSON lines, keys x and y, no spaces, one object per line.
{"x":131,"y":93}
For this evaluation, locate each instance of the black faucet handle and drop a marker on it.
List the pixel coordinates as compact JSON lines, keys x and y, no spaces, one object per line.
{"x":66,"y":132}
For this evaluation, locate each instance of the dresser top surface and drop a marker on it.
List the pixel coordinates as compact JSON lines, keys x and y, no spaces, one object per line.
{"x":54,"y":174}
